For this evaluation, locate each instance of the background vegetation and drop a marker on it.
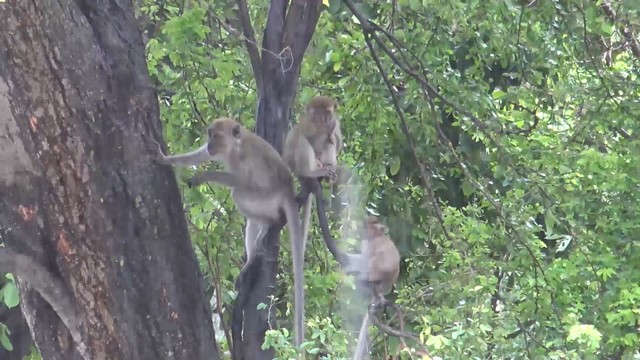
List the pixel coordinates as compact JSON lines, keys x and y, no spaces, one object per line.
{"x":497,"y":139}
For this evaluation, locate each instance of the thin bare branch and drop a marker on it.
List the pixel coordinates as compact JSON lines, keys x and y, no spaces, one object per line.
{"x":405,"y":130}
{"x":300,"y":24}
{"x":402,"y":334}
{"x":250,"y":42}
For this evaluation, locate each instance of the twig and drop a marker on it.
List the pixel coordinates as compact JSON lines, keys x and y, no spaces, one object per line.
{"x":626,"y":31}
{"x":393,"y":332}
{"x":405,"y":131}
{"x":250,"y":42}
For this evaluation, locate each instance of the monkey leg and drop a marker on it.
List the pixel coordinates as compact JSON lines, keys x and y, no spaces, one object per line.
{"x":255,"y":231}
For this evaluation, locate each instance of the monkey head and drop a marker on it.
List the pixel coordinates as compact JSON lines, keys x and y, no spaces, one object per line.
{"x":224,"y":134}
{"x":374,"y":227}
{"x":321,"y":110}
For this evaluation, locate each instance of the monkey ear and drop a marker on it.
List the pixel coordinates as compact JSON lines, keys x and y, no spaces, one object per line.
{"x":236,"y":131}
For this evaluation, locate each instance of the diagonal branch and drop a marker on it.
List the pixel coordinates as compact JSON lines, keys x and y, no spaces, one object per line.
{"x":250,"y":42}
{"x":407,"y":133}
{"x":628,"y":34}
{"x":300,"y":24}
{"x":369,"y":28}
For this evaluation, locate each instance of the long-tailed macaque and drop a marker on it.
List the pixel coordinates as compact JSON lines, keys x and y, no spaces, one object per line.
{"x":376,"y":267}
{"x":312,"y":147}
{"x":261,"y":185}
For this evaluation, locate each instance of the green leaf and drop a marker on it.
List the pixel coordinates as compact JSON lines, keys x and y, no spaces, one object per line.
{"x":394,"y":165}
{"x":607,"y":27}
{"x":467,"y":189}
{"x":4,"y":338}
{"x":334,"y":6}
{"x":497,"y":94}
{"x":11,"y":297}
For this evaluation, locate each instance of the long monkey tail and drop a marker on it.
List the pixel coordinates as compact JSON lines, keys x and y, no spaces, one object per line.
{"x":297,"y":252}
{"x":362,"y":338}
{"x":306,"y":222}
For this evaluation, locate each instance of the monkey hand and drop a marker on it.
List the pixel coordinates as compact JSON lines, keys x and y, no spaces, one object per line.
{"x":194,"y":181}
{"x":156,"y":151}
{"x":329,"y":173}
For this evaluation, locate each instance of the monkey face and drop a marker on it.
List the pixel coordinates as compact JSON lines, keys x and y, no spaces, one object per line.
{"x":223,"y":134}
{"x":375,"y":228}
{"x":322,"y":112}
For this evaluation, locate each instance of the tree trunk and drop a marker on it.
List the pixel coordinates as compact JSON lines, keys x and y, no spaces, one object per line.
{"x":101,"y":223}
{"x":288,"y":32}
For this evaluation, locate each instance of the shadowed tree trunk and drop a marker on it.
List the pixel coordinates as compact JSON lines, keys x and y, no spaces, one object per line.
{"x":109,"y":264}
{"x":289,"y":28}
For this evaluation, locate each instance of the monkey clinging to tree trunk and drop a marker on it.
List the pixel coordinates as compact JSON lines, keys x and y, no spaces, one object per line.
{"x":261,"y":185}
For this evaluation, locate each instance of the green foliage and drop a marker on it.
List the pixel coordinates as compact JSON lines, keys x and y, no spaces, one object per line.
{"x":519,"y":241}
{"x":9,"y":293}
{"x":4,"y":337}
{"x":10,"y":298}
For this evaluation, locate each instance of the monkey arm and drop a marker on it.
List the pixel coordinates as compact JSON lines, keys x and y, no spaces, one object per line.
{"x":195,"y":157}
{"x":219,"y":177}
{"x":354,"y":265}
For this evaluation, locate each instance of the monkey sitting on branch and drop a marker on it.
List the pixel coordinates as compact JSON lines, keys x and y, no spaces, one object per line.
{"x":377,"y":266}
{"x":261,"y":185}
{"x":311,"y":150}
{"x":376,"y":269}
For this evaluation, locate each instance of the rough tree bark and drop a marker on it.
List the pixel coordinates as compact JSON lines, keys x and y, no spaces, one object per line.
{"x":101,"y":223}
{"x":276,"y":67}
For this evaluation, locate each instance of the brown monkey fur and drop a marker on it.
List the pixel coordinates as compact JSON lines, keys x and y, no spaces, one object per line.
{"x":261,"y":185}
{"x":377,"y":267}
{"x":380,"y":259}
{"x":312,"y":147}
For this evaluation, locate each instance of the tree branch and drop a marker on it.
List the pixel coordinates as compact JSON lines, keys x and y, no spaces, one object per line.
{"x":626,"y":30}
{"x":393,"y":332}
{"x":404,"y":128}
{"x":49,"y":287}
{"x":300,"y":24}
{"x":250,"y":42}
{"x":272,"y":38}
